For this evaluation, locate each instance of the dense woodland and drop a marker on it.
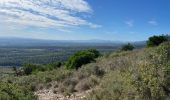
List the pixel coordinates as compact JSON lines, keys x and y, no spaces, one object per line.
{"x":18,"y":56}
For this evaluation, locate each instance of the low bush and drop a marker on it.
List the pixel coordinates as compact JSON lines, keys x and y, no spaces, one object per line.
{"x":14,"y":92}
{"x":30,"y":68}
{"x":53,"y":65}
{"x":86,"y":84}
{"x":35,"y":68}
{"x":91,"y":69}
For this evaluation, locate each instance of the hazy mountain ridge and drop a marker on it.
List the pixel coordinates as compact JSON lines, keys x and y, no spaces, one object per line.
{"x":10,"y":41}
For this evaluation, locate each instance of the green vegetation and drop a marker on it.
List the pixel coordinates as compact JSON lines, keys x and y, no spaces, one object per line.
{"x":53,"y":65}
{"x":82,"y":57}
{"x":14,"y":92}
{"x":34,"y":68}
{"x":156,"y":40}
{"x":17,"y":56}
{"x":137,"y":75}
{"x":141,"y":74}
{"x":127,"y":47}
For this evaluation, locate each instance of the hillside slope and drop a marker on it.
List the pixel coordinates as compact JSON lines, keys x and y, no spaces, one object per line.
{"x":137,"y":75}
{"x":141,"y":74}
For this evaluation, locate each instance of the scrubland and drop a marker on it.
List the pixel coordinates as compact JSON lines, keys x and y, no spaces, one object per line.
{"x":142,"y":74}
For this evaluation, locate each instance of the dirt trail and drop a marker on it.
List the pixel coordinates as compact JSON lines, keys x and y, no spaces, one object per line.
{"x":49,"y":95}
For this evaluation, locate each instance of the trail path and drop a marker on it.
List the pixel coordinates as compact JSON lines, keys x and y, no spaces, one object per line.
{"x":49,"y":95}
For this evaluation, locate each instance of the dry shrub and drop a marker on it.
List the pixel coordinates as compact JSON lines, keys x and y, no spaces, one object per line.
{"x":49,"y":85}
{"x":91,"y":69}
{"x":86,"y":84}
{"x":83,"y":85}
{"x":139,"y":75}
{"x":67,"y":86}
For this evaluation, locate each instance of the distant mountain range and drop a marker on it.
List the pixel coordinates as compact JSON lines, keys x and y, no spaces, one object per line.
{"x":10,"y":41}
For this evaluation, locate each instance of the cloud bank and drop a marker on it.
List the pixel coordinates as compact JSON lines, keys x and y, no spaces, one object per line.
{"x":45,"y":13}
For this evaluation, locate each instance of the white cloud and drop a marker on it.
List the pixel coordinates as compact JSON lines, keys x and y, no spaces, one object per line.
{"x":130,"y":23}
{"x":45,"y":13}
{"x":153,"y":22}
{"x":94,"y":25}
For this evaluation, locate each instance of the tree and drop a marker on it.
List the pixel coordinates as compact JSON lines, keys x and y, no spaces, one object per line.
{"x":127,"y":47}
{"x":82,"y":57}
{"x":157,"y":40}
{"x":95,"y":52}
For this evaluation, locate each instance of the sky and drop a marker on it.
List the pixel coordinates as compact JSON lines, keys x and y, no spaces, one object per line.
{"x":116,"y":20}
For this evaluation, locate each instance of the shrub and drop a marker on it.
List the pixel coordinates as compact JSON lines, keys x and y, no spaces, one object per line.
{"x":34,"y":68}
{"x":48,"y":79}
{"x":30,"y":68}
{"x":146,"y":76}
{"x":53,"y":65}
{"x":156,"y":40}
{"x":15,"y":92}
{"x":86,"y":84}
{"x":91,"y":69}
{"x":127,"y":47}
{"x":82,"y":57}
{"x":67,"y":86}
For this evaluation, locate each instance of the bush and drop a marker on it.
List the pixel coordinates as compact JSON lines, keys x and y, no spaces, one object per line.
{"x":86,"y":84}
{"x":53,"y":65}
{"x":15,"y":92}
{"x":82,"y":57}
{"x":30,"y":68}
{"x":127,"y":47}
{"x":91,"y":69}
{"x":34,"y":68}
{"x":156,"y":40}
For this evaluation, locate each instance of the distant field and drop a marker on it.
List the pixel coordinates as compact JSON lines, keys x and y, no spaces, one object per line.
{"x":5,"y":71}
{"x":17,"y":56}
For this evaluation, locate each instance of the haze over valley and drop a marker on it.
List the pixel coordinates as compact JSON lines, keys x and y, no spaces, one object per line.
{"x":84,"y":50}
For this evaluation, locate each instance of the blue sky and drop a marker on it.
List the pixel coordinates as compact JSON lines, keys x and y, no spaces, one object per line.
{"x":117,"y":20}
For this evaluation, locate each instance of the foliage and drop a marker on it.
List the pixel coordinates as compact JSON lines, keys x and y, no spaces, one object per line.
{"x":156,"y":40}
{"x":17,"y":56}
{"x":82,"y":57}
{"x":14,"y":92}
{"x":95,"y":52}
{"x":30,"y":68}
{"x":139,"y":75}
{"x":130,"y":75}
{"x":53,"y":65}
{"x":34,"y":68}
{"x":60,"y":80}
{"x":127,"y":47}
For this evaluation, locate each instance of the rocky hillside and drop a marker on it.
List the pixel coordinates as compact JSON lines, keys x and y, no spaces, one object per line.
{"x":123,"y":75}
